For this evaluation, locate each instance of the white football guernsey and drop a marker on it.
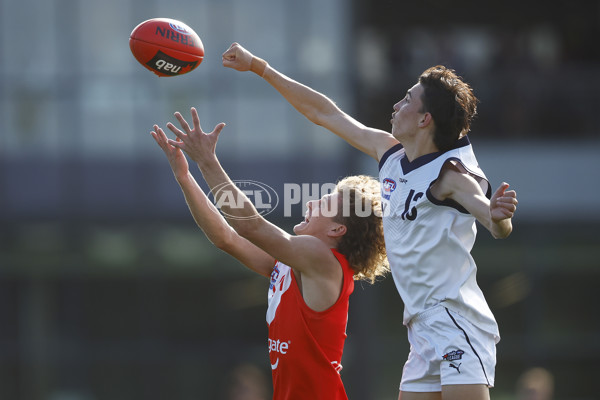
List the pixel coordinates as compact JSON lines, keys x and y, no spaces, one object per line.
{"x":429,"y":242}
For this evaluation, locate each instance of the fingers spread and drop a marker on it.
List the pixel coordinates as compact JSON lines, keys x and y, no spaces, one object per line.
{"x":219,"y":128}
{"x":183,"y":122}
{"x":160,"y":133}
{"x":176,"y":143}
{"x":196,"y":120}
{"x":176,"y":130}
{"x":159,"y":136}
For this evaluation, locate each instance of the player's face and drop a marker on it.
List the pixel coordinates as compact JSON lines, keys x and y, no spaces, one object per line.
{"x":319,"y":216}
{"x":407,"y":113}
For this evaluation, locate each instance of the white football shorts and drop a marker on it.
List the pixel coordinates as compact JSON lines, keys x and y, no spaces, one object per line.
{"x":446,"y":349}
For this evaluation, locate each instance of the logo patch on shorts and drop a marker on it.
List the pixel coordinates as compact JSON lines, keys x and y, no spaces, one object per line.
{"x":457,"y":367}
{"x":453,"y":355}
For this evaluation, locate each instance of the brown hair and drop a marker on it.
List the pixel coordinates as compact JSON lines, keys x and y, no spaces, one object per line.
{"x":363,"y":243}
{"x":450,"y":101}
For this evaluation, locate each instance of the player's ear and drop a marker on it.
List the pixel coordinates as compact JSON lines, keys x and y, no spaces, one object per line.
{"x":425,"y":120}
{"x":338,"y":231}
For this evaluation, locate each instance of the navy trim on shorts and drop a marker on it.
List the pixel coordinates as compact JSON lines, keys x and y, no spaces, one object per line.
{"x":469,"y":342}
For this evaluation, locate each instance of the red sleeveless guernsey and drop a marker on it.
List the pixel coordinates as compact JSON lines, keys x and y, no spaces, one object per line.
{"x":306,"y":346}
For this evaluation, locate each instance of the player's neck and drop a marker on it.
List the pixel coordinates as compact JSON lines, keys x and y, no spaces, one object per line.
{"x":422,"y":145}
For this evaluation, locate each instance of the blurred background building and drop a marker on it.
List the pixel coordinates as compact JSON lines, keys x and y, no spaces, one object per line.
{"x":109,"y":291}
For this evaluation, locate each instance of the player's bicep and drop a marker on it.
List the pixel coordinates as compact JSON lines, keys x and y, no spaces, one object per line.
{"x":466,"y":190}
{"x":373,"y":142}
{"x":304,"y":253}
{"x":475,"y":202}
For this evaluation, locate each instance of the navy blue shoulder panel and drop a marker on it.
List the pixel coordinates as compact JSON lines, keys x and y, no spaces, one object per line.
{"x":408,"y":166}
{"x":447,"y":202}
{"x":389,"y":152}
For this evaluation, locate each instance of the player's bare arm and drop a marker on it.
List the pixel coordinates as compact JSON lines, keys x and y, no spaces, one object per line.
{"x":307,"y":254}
{"x":495,"y":214}
{"x":207,"y":216}
{"x":315,"y":106}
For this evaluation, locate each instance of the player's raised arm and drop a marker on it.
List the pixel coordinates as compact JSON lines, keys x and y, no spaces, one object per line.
{"x":305,"y":253}
{"x":206,"y":215}
{"x":315,"y":106}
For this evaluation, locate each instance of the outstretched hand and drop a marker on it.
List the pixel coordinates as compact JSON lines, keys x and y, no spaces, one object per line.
{"x":199,"y":145}
{"x":176,"y":158}
{"x":503,"y":203}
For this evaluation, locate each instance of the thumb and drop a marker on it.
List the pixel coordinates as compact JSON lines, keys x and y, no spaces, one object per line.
{"x":218,"y":129}
{"x":500,"y":191}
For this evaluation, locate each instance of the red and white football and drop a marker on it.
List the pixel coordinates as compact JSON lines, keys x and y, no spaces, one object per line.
{"x":166,"y":46}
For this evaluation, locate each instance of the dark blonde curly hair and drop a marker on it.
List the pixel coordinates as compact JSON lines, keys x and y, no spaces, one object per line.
{"x":360,"y":211}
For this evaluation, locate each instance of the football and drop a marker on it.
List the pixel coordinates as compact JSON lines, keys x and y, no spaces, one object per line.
{"x":166,"y":46}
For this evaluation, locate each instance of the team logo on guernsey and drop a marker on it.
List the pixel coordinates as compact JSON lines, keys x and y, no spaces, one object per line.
{"x":337,"y":366}
{"x":387,"y":186}
{"x":280,"y":282}
{"x":280,"y":348}
{"x":274,"y":276}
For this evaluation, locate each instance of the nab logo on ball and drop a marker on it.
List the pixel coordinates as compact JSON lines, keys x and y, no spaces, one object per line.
{"x":169,"y":65}
{"x":166,"y":46}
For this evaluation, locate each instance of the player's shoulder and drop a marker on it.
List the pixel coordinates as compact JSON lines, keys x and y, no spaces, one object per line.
{"x":313,"y":255}
{"x":388,"y":150}
{"x":384,"y":143}
{"x":453,"y":178}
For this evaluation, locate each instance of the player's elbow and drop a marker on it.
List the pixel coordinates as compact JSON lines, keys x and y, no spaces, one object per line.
{"x":222,"y":243}
{"x":314,"y":115}
{"x":321,"y":112}
{"x":225,"y":240}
